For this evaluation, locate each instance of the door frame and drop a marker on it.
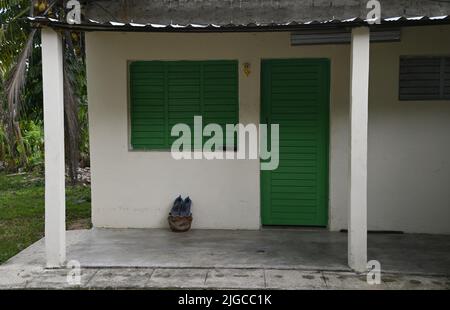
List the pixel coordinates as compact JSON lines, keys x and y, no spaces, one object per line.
{"x":326,"y":62}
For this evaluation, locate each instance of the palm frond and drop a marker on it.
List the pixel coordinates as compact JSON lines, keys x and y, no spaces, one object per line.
{"x":6,"y":4}
{"x":17,"y":79}
{"x":71,"y":104}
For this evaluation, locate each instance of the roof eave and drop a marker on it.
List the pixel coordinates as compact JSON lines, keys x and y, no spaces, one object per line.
{"x":252,"y":27}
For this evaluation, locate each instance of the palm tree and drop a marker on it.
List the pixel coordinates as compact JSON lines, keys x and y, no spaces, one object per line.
{"x":18,"y":41}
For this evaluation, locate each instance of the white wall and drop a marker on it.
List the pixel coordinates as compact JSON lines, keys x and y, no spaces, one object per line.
{"x":409,"y":149}
{"x":409,"y":144}
{"x":136,"y":189}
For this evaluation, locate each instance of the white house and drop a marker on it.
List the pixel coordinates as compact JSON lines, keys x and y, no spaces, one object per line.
{"x":363,"y":110}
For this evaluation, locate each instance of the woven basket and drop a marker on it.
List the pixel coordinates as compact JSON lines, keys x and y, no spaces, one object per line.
{"x":180,"y":223}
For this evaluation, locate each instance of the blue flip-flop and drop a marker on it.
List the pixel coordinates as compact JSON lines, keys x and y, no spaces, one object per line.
{"x":177,"y":206}
{"x":186,"y":208}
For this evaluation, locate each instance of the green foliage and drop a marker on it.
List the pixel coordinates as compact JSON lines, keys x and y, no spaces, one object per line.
{"x":17,"y":60}
{"x":22,"y":211}
{"x":4,"y":150}
{"x":32,"y":96}
{"x":80,"y":80}
{"x":33,"y":136}
{"x":84,"y":135}
{"x":21,"y":89}
{"x":33,"y":146}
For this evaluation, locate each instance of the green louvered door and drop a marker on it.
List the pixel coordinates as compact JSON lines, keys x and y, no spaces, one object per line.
{"x":295,"y":95}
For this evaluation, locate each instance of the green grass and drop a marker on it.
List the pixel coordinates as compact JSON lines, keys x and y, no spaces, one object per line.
{"x":22,"y":211}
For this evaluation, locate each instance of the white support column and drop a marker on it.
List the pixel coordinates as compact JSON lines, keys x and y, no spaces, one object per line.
{"x":357,"y":221}
{"x":55,"y":201}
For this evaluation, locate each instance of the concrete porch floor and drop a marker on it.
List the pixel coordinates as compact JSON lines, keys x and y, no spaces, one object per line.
{"x":266,"y":249}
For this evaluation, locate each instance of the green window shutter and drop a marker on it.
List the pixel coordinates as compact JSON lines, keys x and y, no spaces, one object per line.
{"x":220,"y":95}
{"x":147,"y":92}
{"x":184,"y":96}
{"x":165,"y":93}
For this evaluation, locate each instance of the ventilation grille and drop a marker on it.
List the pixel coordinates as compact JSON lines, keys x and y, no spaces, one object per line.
{"x":341,"y":36}
{"x":424,"y":78}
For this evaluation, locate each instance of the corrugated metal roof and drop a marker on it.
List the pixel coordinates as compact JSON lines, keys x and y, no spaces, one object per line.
{"x":92,"y":25}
